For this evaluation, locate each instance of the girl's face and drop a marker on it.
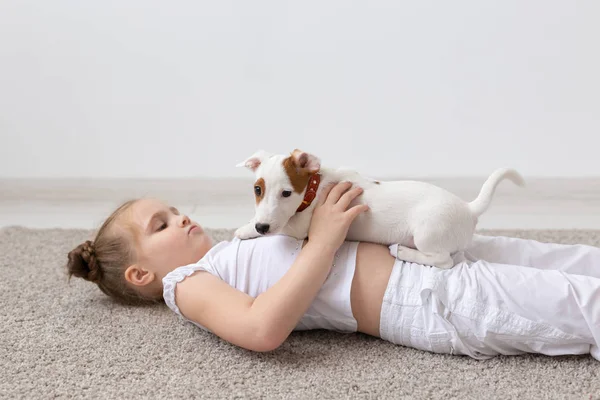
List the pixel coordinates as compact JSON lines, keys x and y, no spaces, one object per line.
{"x":165,"y":240}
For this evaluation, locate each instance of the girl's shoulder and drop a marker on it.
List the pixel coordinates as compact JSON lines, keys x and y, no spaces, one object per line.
{"x":212,"y":262}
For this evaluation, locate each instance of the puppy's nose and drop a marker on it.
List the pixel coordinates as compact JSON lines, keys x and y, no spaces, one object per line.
{"x":261,"y":228}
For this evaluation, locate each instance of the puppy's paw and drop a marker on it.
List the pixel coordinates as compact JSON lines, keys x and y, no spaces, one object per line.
{"x":246,"y":232}
{"x":445,"y":264}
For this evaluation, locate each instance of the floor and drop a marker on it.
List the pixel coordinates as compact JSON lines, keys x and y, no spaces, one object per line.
{"x":228,"y":203}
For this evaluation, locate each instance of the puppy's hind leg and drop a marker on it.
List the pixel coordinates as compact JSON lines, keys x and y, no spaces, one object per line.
{"x":439,"y":260}
{"x":434,"y":247}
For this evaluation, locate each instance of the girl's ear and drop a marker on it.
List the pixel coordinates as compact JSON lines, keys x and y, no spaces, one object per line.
{"x":138,"y":276}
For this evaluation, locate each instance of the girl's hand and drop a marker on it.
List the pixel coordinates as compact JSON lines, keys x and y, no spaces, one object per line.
{"x":331,"y":217}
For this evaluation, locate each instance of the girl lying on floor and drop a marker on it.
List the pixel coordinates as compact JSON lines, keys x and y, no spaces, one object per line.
{"x":504,"y":295}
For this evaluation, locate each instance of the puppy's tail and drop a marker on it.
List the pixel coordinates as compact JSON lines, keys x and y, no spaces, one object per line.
{"x":482,"y":202}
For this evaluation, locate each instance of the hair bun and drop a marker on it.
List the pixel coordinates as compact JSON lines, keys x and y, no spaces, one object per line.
{"x":82,"y":262}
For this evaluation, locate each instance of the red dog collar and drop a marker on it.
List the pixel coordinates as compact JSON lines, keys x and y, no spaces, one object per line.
{"x":311,"y":191}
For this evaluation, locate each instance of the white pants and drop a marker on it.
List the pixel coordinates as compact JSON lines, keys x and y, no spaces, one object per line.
{"x":504,"y":296}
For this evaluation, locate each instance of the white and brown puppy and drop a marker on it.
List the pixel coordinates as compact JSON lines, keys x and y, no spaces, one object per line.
{"x":428,"y":222}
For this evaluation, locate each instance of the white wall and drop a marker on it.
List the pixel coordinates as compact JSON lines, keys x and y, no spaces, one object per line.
{"x":138,"y":88}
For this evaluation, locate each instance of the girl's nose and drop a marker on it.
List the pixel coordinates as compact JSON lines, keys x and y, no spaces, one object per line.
{"x":185,"y":220}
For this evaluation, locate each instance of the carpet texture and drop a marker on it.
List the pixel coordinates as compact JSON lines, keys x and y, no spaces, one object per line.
{"x":69,"y":340}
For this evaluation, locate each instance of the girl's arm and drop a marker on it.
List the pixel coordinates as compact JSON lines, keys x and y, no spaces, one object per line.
{"x":264,"y":322}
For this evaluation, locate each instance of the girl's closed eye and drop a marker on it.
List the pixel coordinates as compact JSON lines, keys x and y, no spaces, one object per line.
{"x":161,"y":227}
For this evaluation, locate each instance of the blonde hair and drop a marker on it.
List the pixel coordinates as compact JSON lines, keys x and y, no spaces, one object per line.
{"x":103,"y":261}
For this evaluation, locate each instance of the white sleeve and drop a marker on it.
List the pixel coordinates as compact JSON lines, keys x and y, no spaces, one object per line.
{"x":171,"y":280}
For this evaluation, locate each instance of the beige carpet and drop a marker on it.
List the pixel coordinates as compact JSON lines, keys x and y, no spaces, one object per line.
{"x":60,"y":340}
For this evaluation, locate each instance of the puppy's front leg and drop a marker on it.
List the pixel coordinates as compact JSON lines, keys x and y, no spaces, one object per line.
{"x":297,"y":227}
{"x":294,"y":232}
{"x":247,"y":231}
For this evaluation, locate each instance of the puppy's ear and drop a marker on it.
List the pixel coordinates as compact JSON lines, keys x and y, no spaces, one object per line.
{"x":254,"y":160}
{"x":306,"y":161}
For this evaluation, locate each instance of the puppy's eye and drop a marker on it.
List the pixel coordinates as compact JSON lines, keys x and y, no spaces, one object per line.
{"x":257,"y":190}
{"x":286,"y":193}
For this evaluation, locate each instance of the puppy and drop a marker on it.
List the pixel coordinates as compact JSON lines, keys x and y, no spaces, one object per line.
{"x":428,"y":223}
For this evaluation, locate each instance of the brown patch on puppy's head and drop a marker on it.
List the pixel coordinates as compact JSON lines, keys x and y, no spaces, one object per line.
{"x":298,"y":177}
{"x":299,"y":167}
{"x":259,"y":190}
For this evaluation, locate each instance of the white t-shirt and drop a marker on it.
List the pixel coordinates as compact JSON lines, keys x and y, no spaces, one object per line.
{"x":254,"y":265}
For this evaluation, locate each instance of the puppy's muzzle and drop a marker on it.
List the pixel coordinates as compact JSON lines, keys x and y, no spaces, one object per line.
{"x":262,"y":228}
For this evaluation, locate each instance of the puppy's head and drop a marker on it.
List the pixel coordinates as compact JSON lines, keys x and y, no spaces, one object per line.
{"x":281,"y":182}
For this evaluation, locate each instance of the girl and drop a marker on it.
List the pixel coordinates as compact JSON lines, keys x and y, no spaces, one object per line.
{"x":504,"y":296}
